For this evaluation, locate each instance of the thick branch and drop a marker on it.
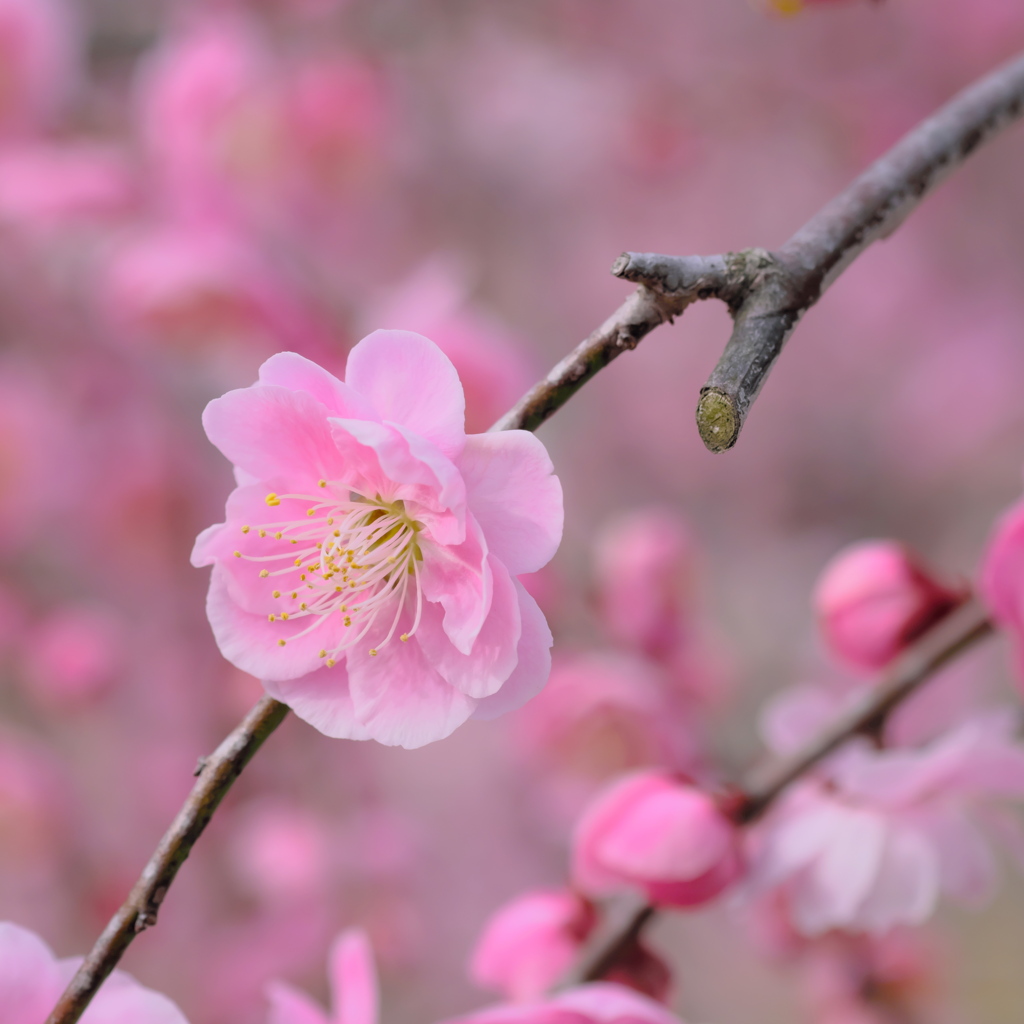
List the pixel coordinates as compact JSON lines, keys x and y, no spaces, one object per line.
{"x":959,"y":630}
{"x":218,"y":773}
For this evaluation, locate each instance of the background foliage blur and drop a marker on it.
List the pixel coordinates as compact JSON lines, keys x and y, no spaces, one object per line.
{"x":186,"y":188}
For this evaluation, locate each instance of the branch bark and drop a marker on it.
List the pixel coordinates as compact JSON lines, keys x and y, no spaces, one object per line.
{"x":768,"y":292}
{"x":959,"y":630}
{"x":217,"y":774}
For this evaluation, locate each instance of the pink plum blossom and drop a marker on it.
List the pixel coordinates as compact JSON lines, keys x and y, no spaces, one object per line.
{"x":367,"y":568}
{"x":353,"y":980}
{"x":530,"y":942}
{"x":658,"y":833}
{"x":32,"y":979}
{"x":874,"y":842}
{"x":596,"y":1003}
{"x":873,"y":599}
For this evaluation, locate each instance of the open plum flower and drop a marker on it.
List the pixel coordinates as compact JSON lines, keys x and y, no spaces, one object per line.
{"x":367,"y":568}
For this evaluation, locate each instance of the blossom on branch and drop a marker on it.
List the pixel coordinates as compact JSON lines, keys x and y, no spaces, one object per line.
{"x":32,"y":979}
{"x":367,"y":568}
{"x":658,"y":833}
{"x":873,"y":842}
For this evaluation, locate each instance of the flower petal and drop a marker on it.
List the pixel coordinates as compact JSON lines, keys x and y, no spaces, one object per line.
{"x":515,"y":497}
{"x":29,"y":981}
{"x":273,"y":433}
{"x":290,"y":1006}
{"x":353,"y":979}
{"x":494,"y":653}
{"x":297,"y":373}
{"x":251,"y":642}
{"x":323,"y":700}
{"x":400,"y":698}
{"x":533,"y":662}
{"x":410,"y":381}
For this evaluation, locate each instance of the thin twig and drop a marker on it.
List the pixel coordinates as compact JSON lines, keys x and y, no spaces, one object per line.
{"x":962,"y":628}
{"x":768,"y":292}
{"x":139,"y":911}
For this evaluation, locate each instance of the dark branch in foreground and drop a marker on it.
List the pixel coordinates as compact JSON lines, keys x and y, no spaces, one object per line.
{"x":139,"y":911}
{"x":768,"y":292}
{"x":962,"y":628}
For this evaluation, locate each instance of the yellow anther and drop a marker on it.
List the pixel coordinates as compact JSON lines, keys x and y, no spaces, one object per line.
{"x":295,"y":593}
{"x":303,"y":576}
{"x":373,"y":652}
{"x":278,"y":535}
{"x":319,"y":546}
{"x":331,"y":663}
{"x":343,"y":607}
{"x":284,"y":615}
{"x":281,"y":643}
{"x":238,"y":554}
{"x":295,"y":542}
{"x":348,"y":621}
{"x":277,"y":593}
{"x":322,"y":654}
{"x":404,"y":638}
{"x":263,"y":533}
{"x":337,"y":533}
{"x":298,"y":561}
{"x":264,"y":573}
{"x":245,"y":529}
{"x":310,"y":511}
{"x":323,"y":483}
{"x":271,"y":617}
{"x":330,"y":522}
{"x":303,"y":606}
{"x":338,"y":590}
{"x":272,"y":499}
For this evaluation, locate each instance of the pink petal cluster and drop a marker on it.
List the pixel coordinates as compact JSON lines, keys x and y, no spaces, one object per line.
{"x":596,"y":1003}
{"x":528,"y":944}
{"x":353,"y":981}
{"x":367,"y":568}
{"x":1002,"y":579}
{"x":873,"y":843}
{"x":32,"y":979}
{"x":873,"y":599}
{"x":658,"y":833}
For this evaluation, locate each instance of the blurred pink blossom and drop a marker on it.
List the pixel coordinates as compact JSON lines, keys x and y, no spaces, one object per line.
{"x":873,"y":843}
{"x":1002,"y":579}
{"x":529,"y":943}
{"x":596,"y":1003}
{"x":873,"y":599}
{"x":353,"y":981}
{"x":374,"y":473}
{"x":658,"y":833}
{"x":32,"y":979}
{"x":73,"y":654}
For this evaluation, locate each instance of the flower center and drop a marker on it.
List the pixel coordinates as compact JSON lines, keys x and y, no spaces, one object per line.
{"x":356,"y":557}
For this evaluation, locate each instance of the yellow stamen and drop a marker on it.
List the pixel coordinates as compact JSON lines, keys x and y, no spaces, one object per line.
{"x":272,"y":499}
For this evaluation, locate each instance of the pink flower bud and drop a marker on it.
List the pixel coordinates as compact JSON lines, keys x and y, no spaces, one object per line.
{"x":530,"y":942}
{"x":873,"y":599}
{"x":657,"y":832}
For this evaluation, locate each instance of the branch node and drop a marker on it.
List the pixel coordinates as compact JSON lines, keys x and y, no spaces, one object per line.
{"x":201,"y":763}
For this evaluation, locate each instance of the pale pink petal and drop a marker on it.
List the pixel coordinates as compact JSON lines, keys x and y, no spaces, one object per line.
{"x":399,"y":697}
{"x":410,"y":381}
{"x":459,"y":577}
{"x":353,"y":979}
{"x":674,"y":834}
{"x":252,"y":643}
{"x":297,"y":373}
{"x":515,"y":497}
{"x":275,"y":434}
{"x":322,"y":699}
{"x":494,"y":653}
{"x":123,"y":1001}
{"x":533,"y":662}
{"x":29,"y":981}
{"x":907,"y":887}
{"x":847,"y":867}
{"x":290,"y":1006}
